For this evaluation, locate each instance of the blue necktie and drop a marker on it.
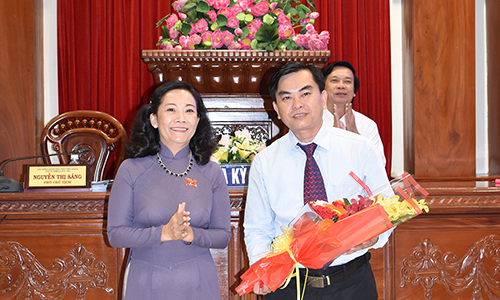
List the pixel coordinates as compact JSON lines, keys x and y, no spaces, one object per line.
{"x":314,"y":187}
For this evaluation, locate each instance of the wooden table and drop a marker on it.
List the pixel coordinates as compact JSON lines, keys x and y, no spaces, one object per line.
{"x":453,"y":252}
{"x":55,"y":244}
{"x":58,"y":241}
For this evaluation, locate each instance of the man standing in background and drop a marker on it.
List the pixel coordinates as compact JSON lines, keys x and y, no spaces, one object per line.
{"x":342,"y":84}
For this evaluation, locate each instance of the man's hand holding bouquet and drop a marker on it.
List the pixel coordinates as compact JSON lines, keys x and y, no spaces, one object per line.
{"x":323,"y":231}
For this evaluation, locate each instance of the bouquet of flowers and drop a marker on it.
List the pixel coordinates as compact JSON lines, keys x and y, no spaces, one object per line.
{"x":323,"y":231}
{"x":242,"y":24}
{"x":237,"y":149}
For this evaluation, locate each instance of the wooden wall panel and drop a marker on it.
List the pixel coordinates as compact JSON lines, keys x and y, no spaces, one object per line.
{"x":21,"y":113}
{"x":380,"y":263}
{"x":443,"y":67}
{"x":493,"y":66}
{"x":56,"y":245}
{"x":451,"y":257}
{"x":408,"y":88}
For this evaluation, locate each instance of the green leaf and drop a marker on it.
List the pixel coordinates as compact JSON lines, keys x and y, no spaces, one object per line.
{"x":225,"y":28}
{"x":268,"y":19}
{"x":267,"y":38}
{"x":302,"y":10}
{"x":241,"y":16}
{"x":214,"y":26}
{"x":289,"y":9}
{"x":253,"y":44}
{"x":189,"y":5}
{"x":245,"y":31}
{"x":165,"y":34}
{"x":191,"y":17}
{"x":221,"y":20}
{"x":268,"y":46}
{"x":347,"y":202}
{"x":248,"y":18}
{"x":292,"y":12}
{"x":311,"y":4}
{"x":291,"y":45}
{"x":271,"y":46}
{"x":281,"y":6}
{"x":162,"y":20}
{"x":203,"y":7}
{"x":267,"y":33}
{"x":186,"y":29}
{"x":164,"y":40}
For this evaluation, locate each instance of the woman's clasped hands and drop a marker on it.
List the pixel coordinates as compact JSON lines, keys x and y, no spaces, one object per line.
{"x":178,"y":227}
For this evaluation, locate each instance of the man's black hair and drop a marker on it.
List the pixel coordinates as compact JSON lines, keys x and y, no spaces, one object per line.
{"x":294,"y":67}
{"x":328,"y":69}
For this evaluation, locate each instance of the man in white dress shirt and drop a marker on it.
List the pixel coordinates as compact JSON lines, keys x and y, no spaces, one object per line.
{"x":276,"y":185}
{"x":342,"y":84}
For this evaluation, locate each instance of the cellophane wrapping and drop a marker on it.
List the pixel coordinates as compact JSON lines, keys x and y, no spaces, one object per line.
{"x":313,"y":242}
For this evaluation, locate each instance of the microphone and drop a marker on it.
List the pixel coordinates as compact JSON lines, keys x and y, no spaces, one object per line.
{"x":9,"y":185}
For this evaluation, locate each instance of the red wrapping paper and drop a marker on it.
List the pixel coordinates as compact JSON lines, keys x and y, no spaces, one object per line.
{"x":315,"y":243}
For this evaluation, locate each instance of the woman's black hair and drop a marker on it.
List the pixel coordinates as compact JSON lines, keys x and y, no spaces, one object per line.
{"x":145,"y":139}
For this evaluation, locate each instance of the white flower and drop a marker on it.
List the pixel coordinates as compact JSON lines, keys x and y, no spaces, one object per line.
{"x":225,"y":140}
{"x":243,"y":133}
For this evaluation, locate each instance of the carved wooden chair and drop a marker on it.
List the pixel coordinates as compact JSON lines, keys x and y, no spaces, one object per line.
{"x":95,"y":131}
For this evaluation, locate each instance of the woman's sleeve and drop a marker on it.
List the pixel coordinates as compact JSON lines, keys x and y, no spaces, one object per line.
{"x":121,"y":233}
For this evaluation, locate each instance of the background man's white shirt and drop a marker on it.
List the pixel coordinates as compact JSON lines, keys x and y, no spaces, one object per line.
{"x":366,"y":127}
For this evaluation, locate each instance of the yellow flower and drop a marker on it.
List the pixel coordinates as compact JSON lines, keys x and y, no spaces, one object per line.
{"x":221,"y":154}
{"x":282,"y":243}
{"x":398,"y":211}
{"x":423,"y":205}
{"x":245,"y":149}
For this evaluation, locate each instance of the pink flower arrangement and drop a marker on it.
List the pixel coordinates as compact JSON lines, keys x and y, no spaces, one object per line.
{"x":242,"y":24}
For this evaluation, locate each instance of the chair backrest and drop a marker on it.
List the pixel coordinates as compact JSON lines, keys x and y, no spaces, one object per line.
{"x":96,"y":131}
